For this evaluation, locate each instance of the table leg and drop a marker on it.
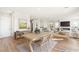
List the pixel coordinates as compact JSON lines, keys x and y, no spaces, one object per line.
{"x":30,"y":46}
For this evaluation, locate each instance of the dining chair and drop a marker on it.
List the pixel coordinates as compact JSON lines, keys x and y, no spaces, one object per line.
{"x":42,"y":40}
{"x":45,"y":39}
{"x":18,"y":35}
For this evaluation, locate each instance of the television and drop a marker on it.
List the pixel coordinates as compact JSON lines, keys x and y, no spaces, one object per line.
{"x":65,"y":23}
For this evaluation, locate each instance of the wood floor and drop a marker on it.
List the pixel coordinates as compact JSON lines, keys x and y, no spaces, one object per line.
{"x":7,"y":44}
{"x":70,"y":45}
{"x":10,"y":45}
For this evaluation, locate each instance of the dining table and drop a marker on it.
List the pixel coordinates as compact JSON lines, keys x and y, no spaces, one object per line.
{"x":32,"y":36}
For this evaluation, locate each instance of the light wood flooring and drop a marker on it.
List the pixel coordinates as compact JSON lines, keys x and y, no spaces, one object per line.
{"x":9,"y":44}
{"x":70,"y":45}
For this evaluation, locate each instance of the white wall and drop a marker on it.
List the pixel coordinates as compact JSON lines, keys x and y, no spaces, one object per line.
{"x":9,"y":23}
{"x":45,"y":15}
{"x":16,"y":18}
{"x":5,"y":25}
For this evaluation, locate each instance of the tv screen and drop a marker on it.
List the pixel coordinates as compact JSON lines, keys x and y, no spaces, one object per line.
{"x":65,"y":23}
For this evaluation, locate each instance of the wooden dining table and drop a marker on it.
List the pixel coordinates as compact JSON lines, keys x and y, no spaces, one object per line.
{"x":31,"y":37}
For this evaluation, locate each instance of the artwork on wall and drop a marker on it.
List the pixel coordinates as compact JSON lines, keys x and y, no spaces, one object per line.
{"x":22,"y":24}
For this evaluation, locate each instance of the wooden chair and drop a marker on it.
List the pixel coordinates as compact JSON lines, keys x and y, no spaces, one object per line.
{"x":42,"y":40}
{"x":59,"y":37}
{"x":18,"y":35}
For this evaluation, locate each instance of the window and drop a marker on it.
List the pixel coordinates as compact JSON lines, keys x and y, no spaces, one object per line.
{"x":22,"y":24}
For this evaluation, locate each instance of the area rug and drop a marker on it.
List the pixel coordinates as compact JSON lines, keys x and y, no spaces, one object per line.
{"x":47,"y":47}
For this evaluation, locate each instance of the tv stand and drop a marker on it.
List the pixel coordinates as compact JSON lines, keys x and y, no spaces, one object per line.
{"x":65,"y":29}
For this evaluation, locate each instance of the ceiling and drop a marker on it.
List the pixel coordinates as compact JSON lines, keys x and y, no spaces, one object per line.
{"x":41,"y":11}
